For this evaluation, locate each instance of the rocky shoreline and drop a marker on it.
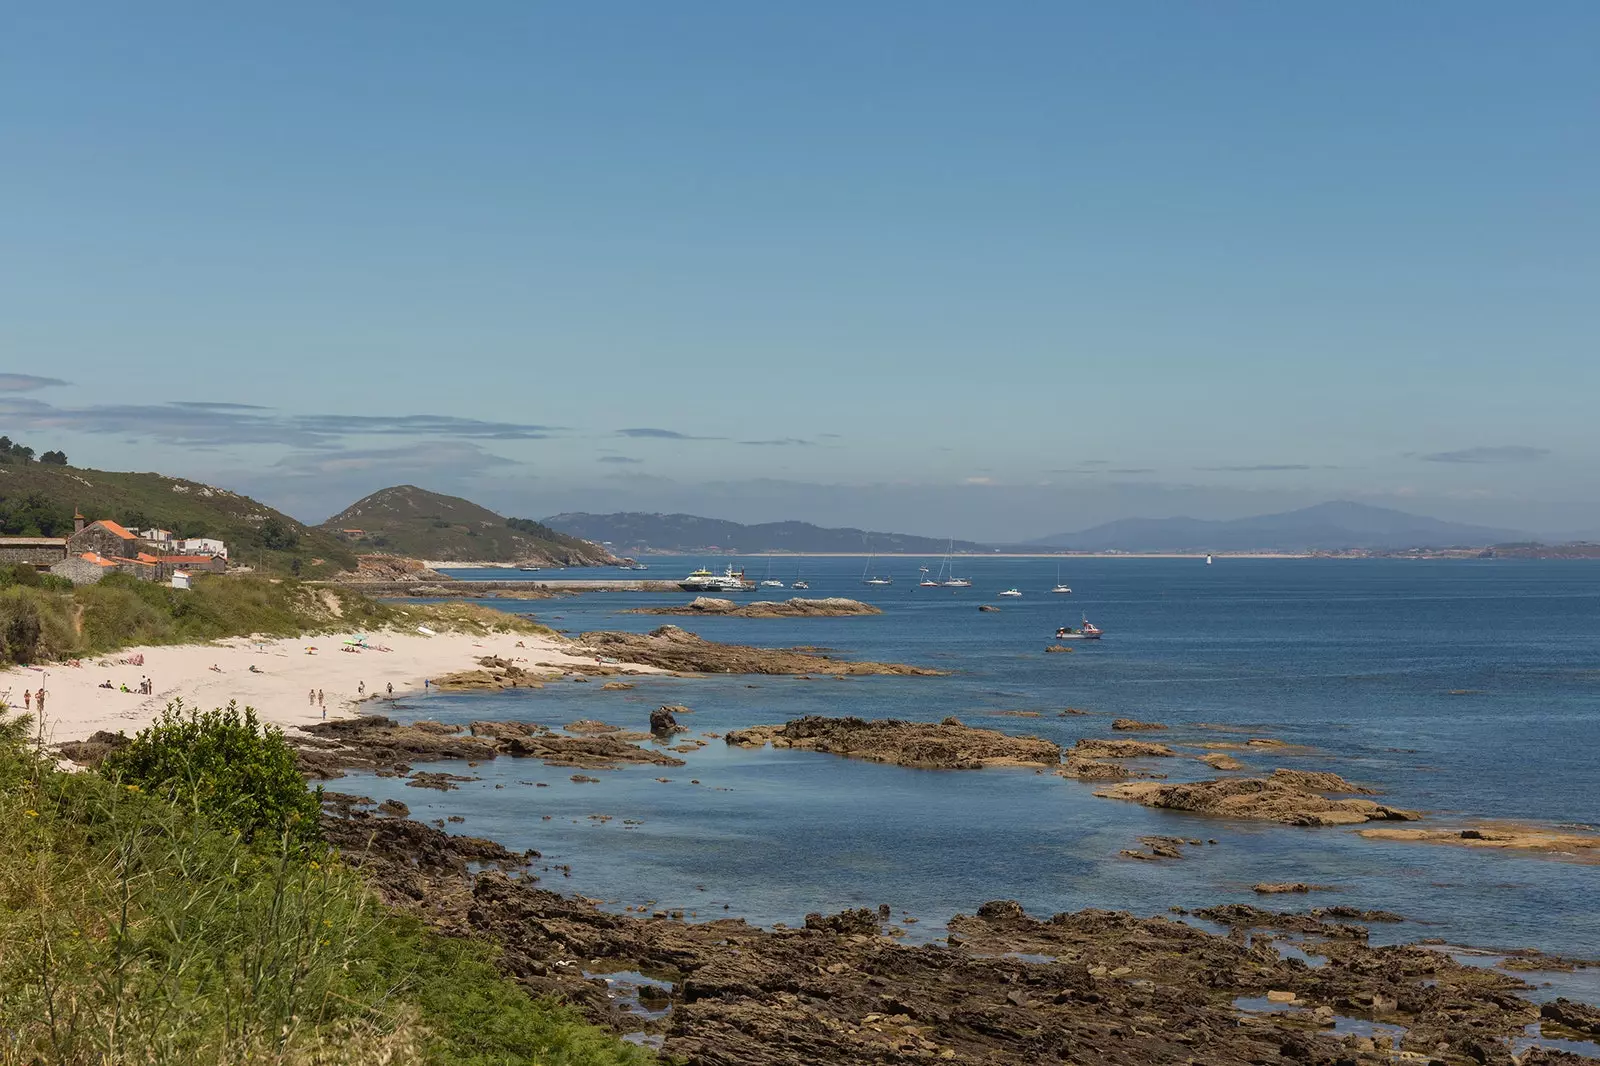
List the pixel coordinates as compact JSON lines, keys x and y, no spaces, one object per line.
{"x":1092,"y":987}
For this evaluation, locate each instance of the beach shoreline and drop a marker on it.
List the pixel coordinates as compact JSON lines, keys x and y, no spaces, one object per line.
{"x":280,"y":689}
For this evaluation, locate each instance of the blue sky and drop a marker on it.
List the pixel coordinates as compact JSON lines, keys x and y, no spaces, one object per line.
{"x":990,"y":271}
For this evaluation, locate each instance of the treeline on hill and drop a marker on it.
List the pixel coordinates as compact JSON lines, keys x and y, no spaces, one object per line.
{"x":12,"y":452}
{"x":179,"y":906}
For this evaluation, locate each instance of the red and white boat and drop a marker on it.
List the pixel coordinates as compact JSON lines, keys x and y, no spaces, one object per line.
{"x":1087,"y":631}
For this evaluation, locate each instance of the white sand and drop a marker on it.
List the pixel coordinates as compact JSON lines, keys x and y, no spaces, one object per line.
{"x":76,"y":706}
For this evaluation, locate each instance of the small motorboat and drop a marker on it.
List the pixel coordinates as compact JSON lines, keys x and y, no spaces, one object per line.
{"x":1014,"y":593}
{"x":528,"y":569}
{"x":1088,"y":631}
{"x":927,"y":582}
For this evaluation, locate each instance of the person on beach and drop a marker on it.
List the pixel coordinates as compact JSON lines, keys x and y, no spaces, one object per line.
{"x":312,"y":698}
{"x":391,"y":690}
{"x":320,"y":702}
{"x":361,"y":688}
{"x":39,"y":699}
{"x":27,"y":699}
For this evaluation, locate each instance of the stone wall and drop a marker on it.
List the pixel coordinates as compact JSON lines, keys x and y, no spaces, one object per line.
{"x":79,"y":571}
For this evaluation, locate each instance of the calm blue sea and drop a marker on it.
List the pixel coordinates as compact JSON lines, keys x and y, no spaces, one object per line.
{"x":1464,"y":688}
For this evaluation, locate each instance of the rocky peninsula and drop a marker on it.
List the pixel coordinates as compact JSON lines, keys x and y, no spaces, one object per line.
{"x":380,"y":744}
{"x":827,"y":607}
{"x":1292,"y":797}
{"x":672,"y":648}
{"x":949,"y":745}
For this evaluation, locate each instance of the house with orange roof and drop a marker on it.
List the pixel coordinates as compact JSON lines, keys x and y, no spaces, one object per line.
{"x":104,"y":537}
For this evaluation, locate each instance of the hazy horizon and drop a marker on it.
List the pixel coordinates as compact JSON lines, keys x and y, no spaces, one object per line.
{"x":990,"y":275}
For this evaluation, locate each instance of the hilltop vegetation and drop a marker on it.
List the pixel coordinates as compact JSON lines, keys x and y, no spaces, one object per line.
{"x":43,"y":618}
{"x":635,"y":531}
{"x":38,"y":498}
{"x":407,"y":520}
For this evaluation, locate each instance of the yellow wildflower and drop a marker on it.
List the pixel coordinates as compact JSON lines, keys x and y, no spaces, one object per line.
{"x":31,"y":813}
{"x":131,"y":788}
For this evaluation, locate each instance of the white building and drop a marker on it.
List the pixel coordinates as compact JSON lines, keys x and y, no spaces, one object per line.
{"x":201,"y":546}
{"x":180,"y":579}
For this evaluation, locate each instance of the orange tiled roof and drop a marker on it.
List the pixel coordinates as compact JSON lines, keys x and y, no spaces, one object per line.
{"x":146,"y":557}
{"x":108,"y":524}
{"x":195,"y":560}
{"x":97,"y":559}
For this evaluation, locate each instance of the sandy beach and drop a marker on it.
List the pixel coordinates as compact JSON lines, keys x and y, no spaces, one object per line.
{"x":76,"y":706}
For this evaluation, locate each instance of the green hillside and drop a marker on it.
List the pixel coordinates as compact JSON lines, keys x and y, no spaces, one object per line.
{"x":406,"y":520}
{"x":39,"y":498}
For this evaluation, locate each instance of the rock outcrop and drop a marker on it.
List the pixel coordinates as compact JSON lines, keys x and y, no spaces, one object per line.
{"x":1095,"y":748}
{"x":672,"y":648}
{"x":948,"y":745}
{"x":663,"y":723}
{"x":493,"y":674}
{"x":1260,"y":799}
{"x":827,"y":607}
{"x":1133,"y":724}
{"x":373,"y":742}
{"x":1569,"y":844}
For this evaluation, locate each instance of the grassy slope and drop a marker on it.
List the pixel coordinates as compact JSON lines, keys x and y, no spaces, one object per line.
{"x":37,"y":496}
{"x":406,"y":520}
{"x":131,"y":932}
{"x":40,"y":624}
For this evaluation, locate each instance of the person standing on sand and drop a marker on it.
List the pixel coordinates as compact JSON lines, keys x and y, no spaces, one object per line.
{"x":361,"y":688}
{"x":320,"y":702}
{"x":39,"y":699}
{"x":27,"y":699}
{"x":391,"y":690}
{"x":312,"y":698}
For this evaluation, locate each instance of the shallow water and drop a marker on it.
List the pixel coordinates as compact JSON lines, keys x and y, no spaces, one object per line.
{"x":1465,"y":688}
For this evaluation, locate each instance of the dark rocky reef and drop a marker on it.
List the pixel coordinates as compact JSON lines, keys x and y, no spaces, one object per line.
{"x":373,"y":742}
{"x":672,"y":648}
{"x":947,"y":745}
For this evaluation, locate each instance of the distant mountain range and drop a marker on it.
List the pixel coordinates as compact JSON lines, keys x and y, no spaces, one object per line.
{"x":406,"y":520}
{"x":1337,"y":526}
{"x":634,"y":531}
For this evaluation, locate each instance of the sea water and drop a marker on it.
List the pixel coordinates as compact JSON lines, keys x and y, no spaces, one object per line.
{"x":1464,"y":688}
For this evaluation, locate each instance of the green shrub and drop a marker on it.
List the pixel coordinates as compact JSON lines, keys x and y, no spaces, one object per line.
{"x":226,"y":766}
{"x":132,"y":932}
{"x":33,"y":627}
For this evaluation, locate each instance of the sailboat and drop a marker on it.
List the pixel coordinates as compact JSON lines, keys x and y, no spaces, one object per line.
{"x":1060,"y":589}
{"x":769,"y":582}
{"x":953,"y":582}
{"x":874,"y":579}
{"x":797,"y":583}
{"x":927,"y":582}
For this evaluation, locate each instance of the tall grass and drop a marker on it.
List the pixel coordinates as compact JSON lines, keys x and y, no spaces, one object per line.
{"x":132,"y":931}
